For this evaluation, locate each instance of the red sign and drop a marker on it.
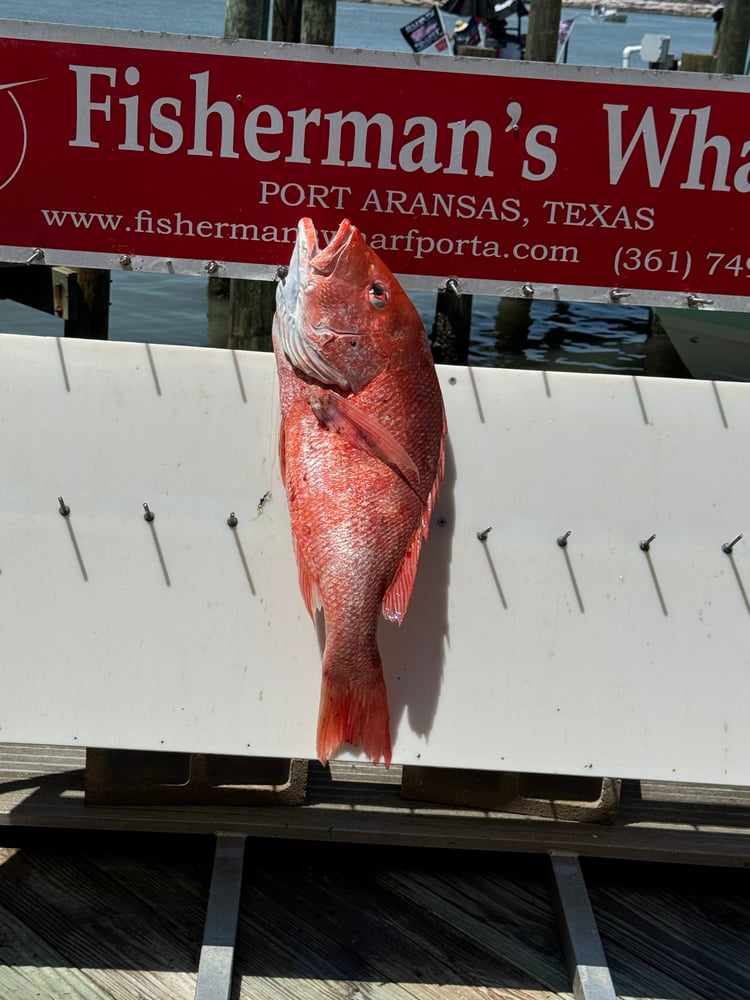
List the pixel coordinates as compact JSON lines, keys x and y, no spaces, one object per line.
{"x":186,"y":154}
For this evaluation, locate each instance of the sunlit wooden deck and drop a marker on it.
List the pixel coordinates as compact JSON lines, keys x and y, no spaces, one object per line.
{"x":95,"y":904}
{"x":91,"y":916}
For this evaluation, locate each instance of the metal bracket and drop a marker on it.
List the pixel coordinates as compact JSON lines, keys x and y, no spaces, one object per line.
{"x":222,"y":916}
{"x":587,"y":962}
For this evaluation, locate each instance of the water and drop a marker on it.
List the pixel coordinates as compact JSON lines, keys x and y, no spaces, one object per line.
{"x":571,"y":336}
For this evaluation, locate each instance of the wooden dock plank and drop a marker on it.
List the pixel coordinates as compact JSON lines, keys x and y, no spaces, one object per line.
{"x":31,"y":967}
{"x":347,"y":916}
{"x":93,"y":916}
{"x":98,"y":923}
{"x":505,"y":910}
{"x":689,"y":927}
{"x":96,"y":905}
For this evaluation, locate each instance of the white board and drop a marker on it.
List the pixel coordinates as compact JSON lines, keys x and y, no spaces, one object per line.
{"x":516,"y":653}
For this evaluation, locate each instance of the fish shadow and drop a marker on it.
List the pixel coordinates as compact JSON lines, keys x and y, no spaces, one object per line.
{"x":413,"y":653}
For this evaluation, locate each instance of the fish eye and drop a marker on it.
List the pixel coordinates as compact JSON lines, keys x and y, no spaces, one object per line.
{"x":378,"y":294}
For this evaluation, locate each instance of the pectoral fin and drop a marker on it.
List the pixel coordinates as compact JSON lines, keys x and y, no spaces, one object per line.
{"x":364,"y":432}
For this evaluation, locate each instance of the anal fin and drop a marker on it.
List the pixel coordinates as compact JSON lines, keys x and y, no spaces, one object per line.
{"x":307,"y":583}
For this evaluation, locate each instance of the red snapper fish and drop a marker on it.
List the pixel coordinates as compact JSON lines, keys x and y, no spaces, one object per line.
{"x":362,"y":458}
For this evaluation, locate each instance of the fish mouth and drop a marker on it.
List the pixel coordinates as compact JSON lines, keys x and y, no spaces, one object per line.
{"x":323,"y":262}
{"x":294,"y":329}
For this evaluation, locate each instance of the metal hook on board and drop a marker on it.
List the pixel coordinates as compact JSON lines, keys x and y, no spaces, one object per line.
{"x":148,"y":517}
{"x":64,"y":511}
{"x":728,"y":546}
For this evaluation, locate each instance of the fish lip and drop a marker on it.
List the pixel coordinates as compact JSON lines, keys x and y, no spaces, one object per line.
{"x":324,"y":261}
{"x":306,"y":243}
{"x":305,"y":248}
{"x":299,"y":349}
{"x":309,"y":259}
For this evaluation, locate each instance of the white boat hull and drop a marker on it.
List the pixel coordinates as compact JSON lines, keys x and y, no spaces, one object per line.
{"x":711,"y":344}
{"x":604,"y":12}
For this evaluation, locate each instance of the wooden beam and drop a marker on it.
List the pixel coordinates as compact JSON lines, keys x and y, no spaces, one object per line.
{"x":79,"y":296}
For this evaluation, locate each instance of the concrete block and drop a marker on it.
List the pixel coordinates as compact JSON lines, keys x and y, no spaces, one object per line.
{"x":135,"y":777}
{"x":552,"y":796}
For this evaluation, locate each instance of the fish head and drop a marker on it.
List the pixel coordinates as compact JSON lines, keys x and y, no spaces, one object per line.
{"x":340,"y":311}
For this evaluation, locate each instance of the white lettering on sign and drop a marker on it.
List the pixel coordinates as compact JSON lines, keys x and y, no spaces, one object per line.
{"x":267,"y":133}
{"x":538,"y":151}
{"x":85,"y":106}
{"x":575,"y":213}
{"x":308,"y":195}
{"x":705,"y":151}
{"x":110,"y":110}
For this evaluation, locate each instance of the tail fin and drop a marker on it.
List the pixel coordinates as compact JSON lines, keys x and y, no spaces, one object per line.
{"x":354,"y":710}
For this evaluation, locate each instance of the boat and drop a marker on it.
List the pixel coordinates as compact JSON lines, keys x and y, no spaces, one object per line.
{"x":608,"y":12}
{"x":711,"y":344}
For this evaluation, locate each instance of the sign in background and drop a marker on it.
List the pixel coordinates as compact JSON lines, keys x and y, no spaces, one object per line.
{"x":130,"y":150}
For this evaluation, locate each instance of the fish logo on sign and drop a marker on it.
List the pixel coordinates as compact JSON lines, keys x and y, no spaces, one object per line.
{"x":13,"y":127}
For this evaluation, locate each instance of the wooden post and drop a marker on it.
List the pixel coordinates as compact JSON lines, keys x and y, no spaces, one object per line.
{"x":734,"y":36}
{"x":252,"y":303}
{"x":544,"y":31}
{"x":249,"y":301}
{"x":90,"y":313}
{"x":514,"y":315}
{"x":451,"y":332}
{"x":286,"y":20}
{"x":318,"y":22}
{"x":251,"y":308}
{"x":246,"y":19}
